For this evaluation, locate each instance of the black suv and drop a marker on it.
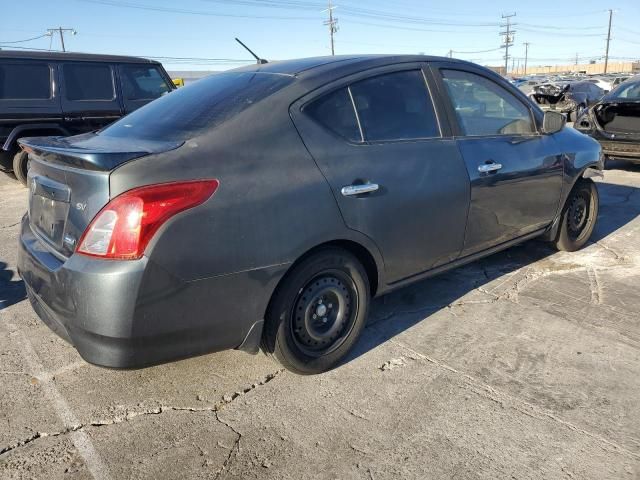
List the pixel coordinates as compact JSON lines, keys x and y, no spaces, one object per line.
{"x":53,"y":93}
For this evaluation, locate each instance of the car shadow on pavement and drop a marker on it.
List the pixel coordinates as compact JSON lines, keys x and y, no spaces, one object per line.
{"x":398,"y":311}
{"x":11,"y":291}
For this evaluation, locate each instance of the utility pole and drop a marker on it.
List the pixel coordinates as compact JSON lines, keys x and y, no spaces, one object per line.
{"x":576,"y":58}
{"x":450,"y":54}
{"x":333,"y":26}
{"x":508,"y":39}
{"x":526,"y":55}
{"x":61,"y":31}
{"x":606,"y":55}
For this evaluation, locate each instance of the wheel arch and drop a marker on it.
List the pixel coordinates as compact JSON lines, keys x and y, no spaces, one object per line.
{"x":357,"y":249}
{"x":370,"y":260}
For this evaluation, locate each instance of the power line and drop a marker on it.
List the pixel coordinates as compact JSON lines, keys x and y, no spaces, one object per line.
{"x":28,"y":39}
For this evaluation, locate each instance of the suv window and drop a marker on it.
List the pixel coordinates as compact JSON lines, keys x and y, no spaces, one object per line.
{"x":335,"y":112}
{"x":26,"y":81}
{"x":484,"y":107}
{"x":141,"y":82}
{"x":395,"y":106}
{"x":87,"y":81}
{"x":188,"y":111}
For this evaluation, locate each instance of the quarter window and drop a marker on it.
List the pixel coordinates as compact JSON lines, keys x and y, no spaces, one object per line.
{"x":141,"y":82}
{"x":485,"y":108}
{"x":28,"y":81}
{"x":88,"y":82}
{"x":335,"y":112}
{"x":395,"y":106}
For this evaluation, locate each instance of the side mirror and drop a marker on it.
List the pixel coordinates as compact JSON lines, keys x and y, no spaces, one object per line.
{"x":553,"y":122}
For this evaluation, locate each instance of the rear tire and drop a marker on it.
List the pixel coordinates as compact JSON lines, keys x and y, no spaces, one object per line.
{"x":317,"y":313}
{"x":578,"y":217}
{"x":21,"y":166}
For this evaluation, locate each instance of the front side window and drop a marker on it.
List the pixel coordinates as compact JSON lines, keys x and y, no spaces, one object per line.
{"x":141,"y":82}
{"x":484,"y":108}
{"x":395,"y":106}
{"x":87,"y":81}
{"x":25,"y":81}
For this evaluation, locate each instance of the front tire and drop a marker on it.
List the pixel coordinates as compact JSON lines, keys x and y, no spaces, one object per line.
{"x":21,"y":166}
{"x":318,"y":312}
{"x":579,"y":216}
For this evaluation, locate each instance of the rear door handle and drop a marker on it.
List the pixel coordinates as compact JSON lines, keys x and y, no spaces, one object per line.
{"x":351,"y":190}
{"x":489,"y":167}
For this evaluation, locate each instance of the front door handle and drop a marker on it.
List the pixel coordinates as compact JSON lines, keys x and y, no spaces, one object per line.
{"x":489,"y":167}
{"x":351,"y":190}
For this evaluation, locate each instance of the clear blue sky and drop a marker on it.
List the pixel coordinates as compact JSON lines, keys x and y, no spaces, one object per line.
{"x":279,"y":29}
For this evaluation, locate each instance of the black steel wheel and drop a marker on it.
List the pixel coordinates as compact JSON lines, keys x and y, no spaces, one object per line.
{"x":318,"y":312}
{"x":578,"y":217}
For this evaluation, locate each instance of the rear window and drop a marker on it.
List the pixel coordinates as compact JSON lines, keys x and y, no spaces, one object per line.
{"x":205,"y":104}
{"x":26,"y":81}
{"x":88,"y":81}
{"x":140,"y":82}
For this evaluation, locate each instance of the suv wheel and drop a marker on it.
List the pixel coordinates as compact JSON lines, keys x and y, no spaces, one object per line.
{"x":318,"y":312}
{"x":21,"y":166}
{"x":578,"y":216}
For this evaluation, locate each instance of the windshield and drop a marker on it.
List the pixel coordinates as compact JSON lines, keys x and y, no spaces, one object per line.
{"x":626,"y":91}
{"x":205,"y":104}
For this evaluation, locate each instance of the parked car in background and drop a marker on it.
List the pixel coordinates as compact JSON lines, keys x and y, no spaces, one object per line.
{"x":568,"y":97}
{"x":267,"y":205}
{"x":53,"y":93}
{"x":615,"y":121}
{"x":527,"y":86}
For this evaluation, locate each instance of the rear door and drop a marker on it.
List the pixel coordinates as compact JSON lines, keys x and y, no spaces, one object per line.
{"x":395,"y":171}
{"x":516,"y":172}
{"x":141,"y":84}
{"x":88,"y":91}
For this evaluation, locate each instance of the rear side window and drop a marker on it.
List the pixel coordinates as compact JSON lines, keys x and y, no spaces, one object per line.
{"x":335,"y":112}
{"x":395,"y":106}
{"x":25,"y":81}
{"x":205,"y":104}
{"x":140,"y":82}
{"x":485,"y":108}
{"x":88,"y":81}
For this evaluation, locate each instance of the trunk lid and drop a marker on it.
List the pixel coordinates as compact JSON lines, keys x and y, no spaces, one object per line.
{"x":69,"y":182}
{"x":620,"y":120}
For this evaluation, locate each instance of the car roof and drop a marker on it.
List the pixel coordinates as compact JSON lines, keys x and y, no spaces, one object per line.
{"x":312,"y":65}
{"x":72,"y":56}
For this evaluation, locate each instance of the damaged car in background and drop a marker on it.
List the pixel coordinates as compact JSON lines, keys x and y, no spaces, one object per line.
{"x":570,"y":98}
{"x":615,"y":121}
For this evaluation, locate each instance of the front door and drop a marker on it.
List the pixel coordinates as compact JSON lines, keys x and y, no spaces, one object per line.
{"x":516,"y":172}
{"x":397,"y":176}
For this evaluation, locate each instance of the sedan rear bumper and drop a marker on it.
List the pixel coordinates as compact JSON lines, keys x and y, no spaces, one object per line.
{"x":131,"y":314}
{"x":624,"y":150}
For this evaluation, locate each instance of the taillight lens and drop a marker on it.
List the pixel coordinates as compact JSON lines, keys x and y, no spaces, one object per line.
{"x":124,"y":227}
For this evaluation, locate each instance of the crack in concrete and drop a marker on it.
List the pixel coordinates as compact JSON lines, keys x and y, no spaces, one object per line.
{"x":11,"y":225}
{"x":235,"y":448}
{"x":150,"y":411}
{"x":515,"y":403}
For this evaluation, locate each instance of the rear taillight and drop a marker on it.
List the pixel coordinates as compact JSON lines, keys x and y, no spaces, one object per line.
{"x":124,"y":227}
